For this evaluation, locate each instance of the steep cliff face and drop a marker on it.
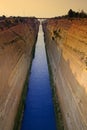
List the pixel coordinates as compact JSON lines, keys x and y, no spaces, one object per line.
{"x":16,"y":45}
{"x":66,"y":44}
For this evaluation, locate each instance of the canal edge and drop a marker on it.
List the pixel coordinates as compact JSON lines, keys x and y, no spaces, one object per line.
{"x":20,"y":111}
{"x":57,"y":110}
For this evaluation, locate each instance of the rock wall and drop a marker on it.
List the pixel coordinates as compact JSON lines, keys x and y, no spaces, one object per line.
{"x":16,"y":45}
{"x":66,"y":44}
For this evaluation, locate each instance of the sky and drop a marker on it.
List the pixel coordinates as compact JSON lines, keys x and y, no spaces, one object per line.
{"x":40,"y":8}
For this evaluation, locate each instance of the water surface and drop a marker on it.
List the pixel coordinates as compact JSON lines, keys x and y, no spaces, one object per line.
{"x":39,"y":111}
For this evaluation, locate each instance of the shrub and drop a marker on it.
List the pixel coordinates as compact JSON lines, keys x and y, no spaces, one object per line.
{"x":73,"y":14}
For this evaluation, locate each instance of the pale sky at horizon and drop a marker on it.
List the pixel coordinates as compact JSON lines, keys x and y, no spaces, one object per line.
{"x":40,"y":8}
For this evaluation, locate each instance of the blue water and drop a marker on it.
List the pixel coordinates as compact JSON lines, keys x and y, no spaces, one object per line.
{"x":39,"y":111}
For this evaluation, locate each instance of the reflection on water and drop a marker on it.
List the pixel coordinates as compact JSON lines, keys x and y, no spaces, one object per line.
{"x":39,"y":111}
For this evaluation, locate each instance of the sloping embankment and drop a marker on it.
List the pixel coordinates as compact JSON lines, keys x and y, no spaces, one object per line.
{"x":16,"y":44}
{"x":66,"y":44}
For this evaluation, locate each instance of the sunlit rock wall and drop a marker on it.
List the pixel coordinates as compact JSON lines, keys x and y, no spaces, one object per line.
{"x":66,"y":44}
{"x":16,"y":45}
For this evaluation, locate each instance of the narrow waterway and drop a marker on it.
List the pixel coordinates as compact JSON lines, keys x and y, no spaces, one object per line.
{"x":39,"y":111}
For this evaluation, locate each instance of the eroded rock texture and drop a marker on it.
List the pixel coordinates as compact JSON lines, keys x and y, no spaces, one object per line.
{"x":66,"y":44}
{"x":16,"y":43}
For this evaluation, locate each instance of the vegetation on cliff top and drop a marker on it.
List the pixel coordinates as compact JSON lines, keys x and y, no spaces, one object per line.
{"x":73,"y":14}
{"x":7,"y":22}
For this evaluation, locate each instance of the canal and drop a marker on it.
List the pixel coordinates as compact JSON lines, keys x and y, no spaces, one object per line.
{"x":39,"y":110}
